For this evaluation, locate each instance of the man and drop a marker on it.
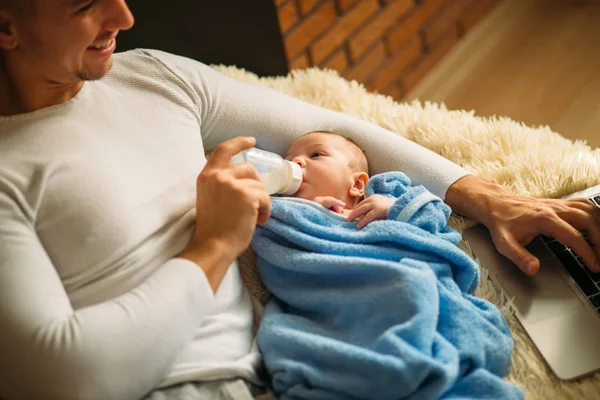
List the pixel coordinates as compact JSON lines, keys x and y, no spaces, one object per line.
{"x":117,"y":260}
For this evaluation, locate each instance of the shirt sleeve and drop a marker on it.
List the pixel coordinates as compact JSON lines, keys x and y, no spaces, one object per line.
{"x":231,"y":108}
{"x":119,"y":349}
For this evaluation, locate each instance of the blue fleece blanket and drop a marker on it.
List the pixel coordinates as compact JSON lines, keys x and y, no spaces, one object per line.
{"x":378,"y":313}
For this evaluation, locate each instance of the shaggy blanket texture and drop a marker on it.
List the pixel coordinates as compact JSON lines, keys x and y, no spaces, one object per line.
{"x":526,"y":160}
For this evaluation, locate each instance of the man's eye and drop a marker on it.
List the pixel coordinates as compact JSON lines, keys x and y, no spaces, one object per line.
{"x":87,"y":7}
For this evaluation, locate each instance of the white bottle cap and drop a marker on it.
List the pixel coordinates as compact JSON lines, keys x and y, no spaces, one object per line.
{"x":295,"y":181}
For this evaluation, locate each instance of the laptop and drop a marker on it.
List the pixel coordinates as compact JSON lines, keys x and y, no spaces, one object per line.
{"x":559,"y":308}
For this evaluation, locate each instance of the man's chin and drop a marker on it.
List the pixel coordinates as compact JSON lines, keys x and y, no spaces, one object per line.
{"x":89,"y":74}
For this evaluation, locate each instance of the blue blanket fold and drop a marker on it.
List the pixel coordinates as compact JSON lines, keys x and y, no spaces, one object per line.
{"x":378,"y":313}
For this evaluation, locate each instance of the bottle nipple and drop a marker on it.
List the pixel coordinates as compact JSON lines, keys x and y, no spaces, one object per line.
{"x":295,"y":178}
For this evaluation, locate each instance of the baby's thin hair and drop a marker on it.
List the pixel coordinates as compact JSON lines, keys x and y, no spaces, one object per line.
{"x":360,"y":162}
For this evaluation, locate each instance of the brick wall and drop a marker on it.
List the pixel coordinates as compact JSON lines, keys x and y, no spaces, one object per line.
{"x":388,"y":45}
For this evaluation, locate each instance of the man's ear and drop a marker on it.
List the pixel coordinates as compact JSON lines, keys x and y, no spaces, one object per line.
{"x":360,"y":182}
{"x":8,"y":34}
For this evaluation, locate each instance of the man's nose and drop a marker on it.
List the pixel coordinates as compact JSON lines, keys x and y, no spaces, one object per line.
{"x":121,"y":17}
{"x":300,"y":161}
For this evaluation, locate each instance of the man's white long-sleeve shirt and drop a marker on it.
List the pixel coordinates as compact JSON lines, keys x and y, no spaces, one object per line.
{"x":97,"y":197}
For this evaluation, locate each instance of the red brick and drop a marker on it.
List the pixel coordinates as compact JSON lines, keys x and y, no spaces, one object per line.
{"x":288,"y":16}
{"x":475,"y":12}
{"x":338,"y":61}
{"x":346,"y":4}
{"x":299,"y":38}
{"x":369,"y":63}
{"x":445,"y":23}
{"x":375,"y":29}
{"x":300,"y":62}
{"x":342,"y":29}
{"x":424,"y":65}
{"x":307,"y":5}
{"x":395,"y":66}
{"x":413,"y":22}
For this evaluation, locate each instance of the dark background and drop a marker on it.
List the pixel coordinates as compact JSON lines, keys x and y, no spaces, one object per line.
{"x":244,"y":33}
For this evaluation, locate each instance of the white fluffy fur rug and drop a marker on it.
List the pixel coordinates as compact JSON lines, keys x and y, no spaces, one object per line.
{"x":523,"y":159}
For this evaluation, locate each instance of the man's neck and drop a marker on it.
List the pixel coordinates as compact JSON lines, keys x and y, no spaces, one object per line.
{"x":21,"y":92}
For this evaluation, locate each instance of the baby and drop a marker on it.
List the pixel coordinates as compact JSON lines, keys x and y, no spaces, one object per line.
{"x":383,"y":308}
{"x":335,"y":173}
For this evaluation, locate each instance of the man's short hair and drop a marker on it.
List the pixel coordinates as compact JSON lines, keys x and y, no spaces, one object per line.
{"x":7,"y":4}
{"x":16,"y":6}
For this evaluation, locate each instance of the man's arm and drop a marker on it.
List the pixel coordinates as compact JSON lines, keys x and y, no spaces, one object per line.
{"x":112,"y":350}
{"x":231,"y":108}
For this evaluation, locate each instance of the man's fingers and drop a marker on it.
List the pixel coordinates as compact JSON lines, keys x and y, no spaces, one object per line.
{"x":590,"y":225}
{"x":245,"y":171}
{"x":254,"y":193}
{"x":518,"y":254}
{"x":264,"y":207}
{"x":250,"y":183}
{"x":221,"y":157}
{"x":592,"y":228}
{"x":570,"y":236}
{"x":586,"y":205}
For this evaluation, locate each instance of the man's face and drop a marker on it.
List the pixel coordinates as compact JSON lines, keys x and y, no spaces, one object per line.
{"x":69,"y":40}
{"x":325,"y":162}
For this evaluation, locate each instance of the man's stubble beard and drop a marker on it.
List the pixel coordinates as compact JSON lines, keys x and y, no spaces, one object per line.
{"x":86,"y":76}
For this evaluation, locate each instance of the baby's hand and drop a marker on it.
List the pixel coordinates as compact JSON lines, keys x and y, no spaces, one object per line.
{"x":372,"y":208}
{"x":331,"y":203}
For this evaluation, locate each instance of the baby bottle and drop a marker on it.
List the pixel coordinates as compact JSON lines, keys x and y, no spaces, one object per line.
{"x":278,"y":175}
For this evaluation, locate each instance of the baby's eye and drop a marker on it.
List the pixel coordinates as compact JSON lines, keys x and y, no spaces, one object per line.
{"x":316,"y":154}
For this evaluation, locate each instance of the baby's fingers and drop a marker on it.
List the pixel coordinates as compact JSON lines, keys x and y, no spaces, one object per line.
{"x":370,"y":217}
{"x":359,"y":211}
{"x":337,"y":209}
{"x":328,"y":201}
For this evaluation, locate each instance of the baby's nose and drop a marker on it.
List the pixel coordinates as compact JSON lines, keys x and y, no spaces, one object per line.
{"x":300,"y":161}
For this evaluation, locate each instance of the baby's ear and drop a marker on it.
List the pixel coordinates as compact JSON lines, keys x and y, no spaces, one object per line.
{"x":360,"y":182}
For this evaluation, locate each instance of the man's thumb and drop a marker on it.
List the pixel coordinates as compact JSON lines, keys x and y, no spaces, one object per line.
{"x":518,"y":254}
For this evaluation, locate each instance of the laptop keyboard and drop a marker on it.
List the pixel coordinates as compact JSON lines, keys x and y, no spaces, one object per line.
{"x":588,"y":282}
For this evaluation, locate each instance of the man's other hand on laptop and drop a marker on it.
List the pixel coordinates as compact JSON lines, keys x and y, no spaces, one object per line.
{"x":514,"y":221}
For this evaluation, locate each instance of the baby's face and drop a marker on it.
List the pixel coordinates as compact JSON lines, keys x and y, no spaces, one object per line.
{"x":325,"y":161}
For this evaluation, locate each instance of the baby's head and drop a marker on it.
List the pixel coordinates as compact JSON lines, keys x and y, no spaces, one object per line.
{"x":332,"y":166}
